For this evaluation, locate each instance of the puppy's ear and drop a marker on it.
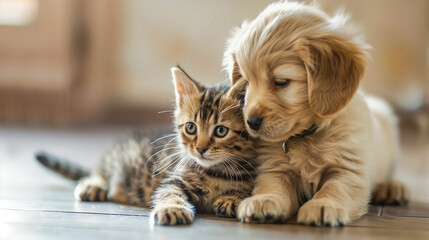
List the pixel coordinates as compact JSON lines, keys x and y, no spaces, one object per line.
{"x":238,"y":90}
{"x":235,"y":74}
{"x":335,"y":66}
{"x":184,"y":85}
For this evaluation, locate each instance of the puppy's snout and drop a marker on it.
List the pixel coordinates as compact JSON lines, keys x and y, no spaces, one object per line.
{"x":255,"y":122}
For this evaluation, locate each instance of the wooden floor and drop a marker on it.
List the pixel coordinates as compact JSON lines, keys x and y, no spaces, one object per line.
{"x":35,"y":204}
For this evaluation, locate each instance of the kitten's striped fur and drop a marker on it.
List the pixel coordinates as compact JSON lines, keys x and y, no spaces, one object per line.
{"x":205,"y":171}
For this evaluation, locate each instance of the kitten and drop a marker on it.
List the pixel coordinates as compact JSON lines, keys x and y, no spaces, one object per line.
{"x":210,"y":162}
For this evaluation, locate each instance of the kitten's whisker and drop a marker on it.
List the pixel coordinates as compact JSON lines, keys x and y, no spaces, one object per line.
{"x":230,"y":171}
{"x":171,"y":144}
{"x":227,"y":171}
{"x":165,"y":148}
{"x":233,"y":157}
{"x":166,"y":111}
{"x":229,"y":108}
{"x":170,"y":141}
{"x":246,"y":171}
{"x":176,"y":168}
{"x":160,"y":151}
{"x":236,"y":171}
{"x":163,"y":137}
{"x":242,"y":159}
{"x":186,"y":160}
{"x":181,"y":163}
{"x":169,"y":157}
{"x":254,"y":149}
{"x":158,"y":171}
{"x":247,"y":162}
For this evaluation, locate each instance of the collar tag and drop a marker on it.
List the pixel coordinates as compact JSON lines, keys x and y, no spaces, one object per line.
{"x":286,"y":146}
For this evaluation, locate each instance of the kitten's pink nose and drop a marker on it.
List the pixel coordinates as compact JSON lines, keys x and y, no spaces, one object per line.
{"x":202,"y":150}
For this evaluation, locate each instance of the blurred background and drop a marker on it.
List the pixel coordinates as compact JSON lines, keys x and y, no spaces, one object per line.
{"x":76,"y":74}
{"x":68,"y":62}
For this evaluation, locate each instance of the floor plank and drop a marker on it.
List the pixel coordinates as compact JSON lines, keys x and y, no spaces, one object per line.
{"x":415,"y":209}
{"x":35,"y":204}
{"x":87,"y":226}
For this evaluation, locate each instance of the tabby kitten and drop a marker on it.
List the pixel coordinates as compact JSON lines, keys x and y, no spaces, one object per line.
{"x":208,"y":166}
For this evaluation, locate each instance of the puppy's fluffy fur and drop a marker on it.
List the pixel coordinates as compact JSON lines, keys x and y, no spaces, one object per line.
{"x":326,"y":177}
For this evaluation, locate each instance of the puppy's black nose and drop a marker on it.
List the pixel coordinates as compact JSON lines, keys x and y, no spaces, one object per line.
{"x":254,"y":123}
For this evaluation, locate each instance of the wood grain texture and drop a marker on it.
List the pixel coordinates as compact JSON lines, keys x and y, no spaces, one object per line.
{"x":35,"y":204}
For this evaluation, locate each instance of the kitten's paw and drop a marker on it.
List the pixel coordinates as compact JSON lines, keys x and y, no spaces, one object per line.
{"x":391,"y":193}
{"x":172,"y":215}
{"x":323,"y":212}
{"x":118,"y":194}
{"x":263,"y":208}
{"x":225,"y":206}
{"x":91,"y":190}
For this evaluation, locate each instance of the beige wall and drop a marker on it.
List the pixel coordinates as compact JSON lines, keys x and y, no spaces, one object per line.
{"x":161,"y":34}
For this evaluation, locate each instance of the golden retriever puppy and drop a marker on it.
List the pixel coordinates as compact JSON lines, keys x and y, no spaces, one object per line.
{"x":326,"y":144}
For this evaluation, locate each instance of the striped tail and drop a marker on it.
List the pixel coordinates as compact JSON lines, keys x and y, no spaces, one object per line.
{"x":62,"y":167}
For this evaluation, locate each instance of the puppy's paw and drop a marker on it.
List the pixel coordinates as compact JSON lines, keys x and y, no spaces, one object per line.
{"x":172,"y":215}
{"x":391,"y":193}
{"x":263,"y":208}
{"x":323,"y":212}
{"x":91,"y":190}
{"x":225,"y":206}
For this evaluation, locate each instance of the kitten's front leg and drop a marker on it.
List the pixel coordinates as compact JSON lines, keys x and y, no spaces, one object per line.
{"x":171,"y":207}
{"x":274,"y":199}
{"x":343,"y":196}
{"x":226,"y":206}
{"x":92,"y":189}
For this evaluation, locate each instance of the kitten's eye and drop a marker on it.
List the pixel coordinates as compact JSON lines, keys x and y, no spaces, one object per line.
{"x":221,"y":131}
{"x":281,"y":82}
{"x":191,"y":128}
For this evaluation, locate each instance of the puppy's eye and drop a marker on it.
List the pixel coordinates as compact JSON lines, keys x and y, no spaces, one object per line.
{"x":191,"y":128}
{"x":281,"y":82}
{"x":221,"y":131}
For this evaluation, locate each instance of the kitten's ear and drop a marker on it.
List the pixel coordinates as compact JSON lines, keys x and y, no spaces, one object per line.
{"x":183,"y":84}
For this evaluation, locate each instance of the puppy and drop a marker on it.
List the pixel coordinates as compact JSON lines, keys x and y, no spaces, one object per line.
{"x":326,"y":144}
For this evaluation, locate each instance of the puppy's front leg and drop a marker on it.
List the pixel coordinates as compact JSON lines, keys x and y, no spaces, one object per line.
{"x":274,"y":199}
{"x":343,"y":196}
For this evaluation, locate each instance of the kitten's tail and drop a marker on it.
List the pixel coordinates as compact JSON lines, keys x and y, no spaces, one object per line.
{"x":62,"y":166}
